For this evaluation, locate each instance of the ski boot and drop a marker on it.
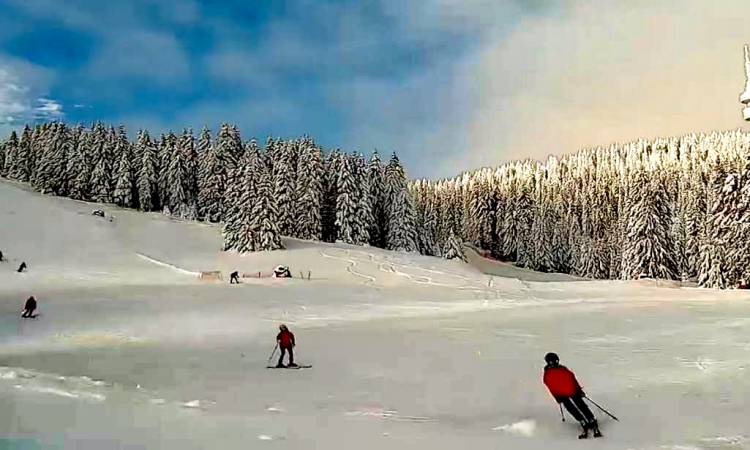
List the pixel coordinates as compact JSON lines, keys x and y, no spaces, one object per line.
{"x":280,"y":366}
{"x":593,"y":425}
{"x":585,"y":433}
{"x":292,"y":365}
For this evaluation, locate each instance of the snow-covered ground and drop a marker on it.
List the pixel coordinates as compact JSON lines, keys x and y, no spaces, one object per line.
{"x":131,"y":350}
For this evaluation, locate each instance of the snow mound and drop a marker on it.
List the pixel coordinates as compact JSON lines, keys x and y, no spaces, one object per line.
{"x":523,"y":428}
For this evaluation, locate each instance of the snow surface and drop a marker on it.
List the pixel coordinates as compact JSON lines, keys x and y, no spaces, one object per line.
{"x":131,"y":350}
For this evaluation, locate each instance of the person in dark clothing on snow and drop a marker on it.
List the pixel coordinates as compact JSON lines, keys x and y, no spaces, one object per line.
{"x":29,"y":307}
{"x":234,"y":277}
{"x":566,"y":390}
{"x":286,"y":342}
{"x":1,"y":256}
{"x":22,"y":267}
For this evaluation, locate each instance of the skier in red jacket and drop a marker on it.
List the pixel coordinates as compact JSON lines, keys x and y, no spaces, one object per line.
{"x":566,"y":390}
{"x":286,"y":342}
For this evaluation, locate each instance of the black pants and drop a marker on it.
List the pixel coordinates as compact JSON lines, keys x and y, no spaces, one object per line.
{"x":285,"y":349}
{"x":234,"y":279}
{"x":28,"y":312}
{"x":578,"y":408}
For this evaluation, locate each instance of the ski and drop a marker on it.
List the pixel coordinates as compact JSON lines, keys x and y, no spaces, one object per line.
{"x":286,"y":367}
{"x":586,"y":436}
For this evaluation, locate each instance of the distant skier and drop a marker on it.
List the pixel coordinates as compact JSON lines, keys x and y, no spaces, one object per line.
{"x":22,"y":267}
{"x":286,"y":342}
{"x":566,"y":390}
{"x":234,"y":277}
{"x":1,"y":256}
{"x":29,"y":307}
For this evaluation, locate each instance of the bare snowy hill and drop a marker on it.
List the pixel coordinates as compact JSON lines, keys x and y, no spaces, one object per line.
{"x":408,"y":352}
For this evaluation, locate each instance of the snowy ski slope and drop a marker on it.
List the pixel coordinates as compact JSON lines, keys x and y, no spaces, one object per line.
{"x":132,"y":351}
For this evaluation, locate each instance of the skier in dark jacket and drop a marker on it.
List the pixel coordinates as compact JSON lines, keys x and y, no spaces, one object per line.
{"x":566,"y":390}
{"x":234,"y":277}
{"x":29,"y":307}
{"x":286,"y":342}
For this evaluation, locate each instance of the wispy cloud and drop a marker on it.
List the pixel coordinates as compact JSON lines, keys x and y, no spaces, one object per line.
{"x":20,"y":102}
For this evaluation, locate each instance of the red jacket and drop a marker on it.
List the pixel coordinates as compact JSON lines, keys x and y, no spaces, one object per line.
{"x":561,"y":382}
{"x":285,"y":338}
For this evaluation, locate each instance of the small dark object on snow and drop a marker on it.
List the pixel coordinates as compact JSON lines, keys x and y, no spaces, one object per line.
{"x":1,"y":256}
{"x":97,"y":212}
{"x":285,"y":340}
{"x":29,"y":307}
{"x":282,"y":272}
{"x":566,"y":390}
{"x":234,"y":277}
{"x":22,"y":267}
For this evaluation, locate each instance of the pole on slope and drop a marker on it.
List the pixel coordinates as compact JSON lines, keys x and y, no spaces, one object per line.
{"x":603,"y":410}
{"x":272,"y":353}
{"x":562,"y":414}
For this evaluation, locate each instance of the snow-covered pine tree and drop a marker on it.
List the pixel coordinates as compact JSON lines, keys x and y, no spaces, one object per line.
{"x":11,"y":150}
{"x":75,"y":135}
{"x":102,"y":183}
{"x":284,"y":172}
{"x":309,"y":191}
{"x":181,"y":179}
{"x":363,"y":215}
{"x":230,"y":152}
{"x":402,"y":234}
{"x":453,"y":249}
{"x":212,"y":179}
{"x":190,"y":152}
{"x":648,"y":246}
{"x":346,"y":201}
{"x":147,"y":173}
{"x":166,"y":149}
{"x":21,"y":161}
{"x":123,"y":194}
{"x":264,"y":215}
{"x":332,"y":166}
{"x":80,"y":167}
{"x":377,"y":228}
{"x":51,"y":168}
{"x":241,"y":196}
{"x":3,"y":152}
{"x":36,"y":147}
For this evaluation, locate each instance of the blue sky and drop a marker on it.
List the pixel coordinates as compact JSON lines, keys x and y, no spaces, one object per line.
{"x":355,"y":74}
{"x":447,"y":84}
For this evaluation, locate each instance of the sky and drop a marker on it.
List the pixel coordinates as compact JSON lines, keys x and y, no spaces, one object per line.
{"x":449,"y":85}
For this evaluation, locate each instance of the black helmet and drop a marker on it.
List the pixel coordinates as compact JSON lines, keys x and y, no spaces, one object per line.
{"x":551,"y":358}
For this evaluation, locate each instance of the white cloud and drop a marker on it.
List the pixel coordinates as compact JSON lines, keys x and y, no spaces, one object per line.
{"x":20,"y":101}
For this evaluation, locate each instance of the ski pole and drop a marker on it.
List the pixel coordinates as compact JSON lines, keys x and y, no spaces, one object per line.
{"x":272,"y":353}
{"x":603,"y":410}
{"x":562,"y":414}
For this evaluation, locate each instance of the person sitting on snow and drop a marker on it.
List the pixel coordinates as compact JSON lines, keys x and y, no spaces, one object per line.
{"x":29,"y":307}
{"x":285,"y":340}
{"x":566,"y":390}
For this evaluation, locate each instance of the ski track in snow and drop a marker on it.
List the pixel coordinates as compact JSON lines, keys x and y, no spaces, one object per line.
{"x":86,"y":389}
{"x":169,"y":266}
{"x":350,"y":268}
{"x":390,"y":267}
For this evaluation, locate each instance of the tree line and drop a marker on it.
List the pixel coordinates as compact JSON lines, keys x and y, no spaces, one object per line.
{"x":670,"y":208}
{"x":287,"y":188}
